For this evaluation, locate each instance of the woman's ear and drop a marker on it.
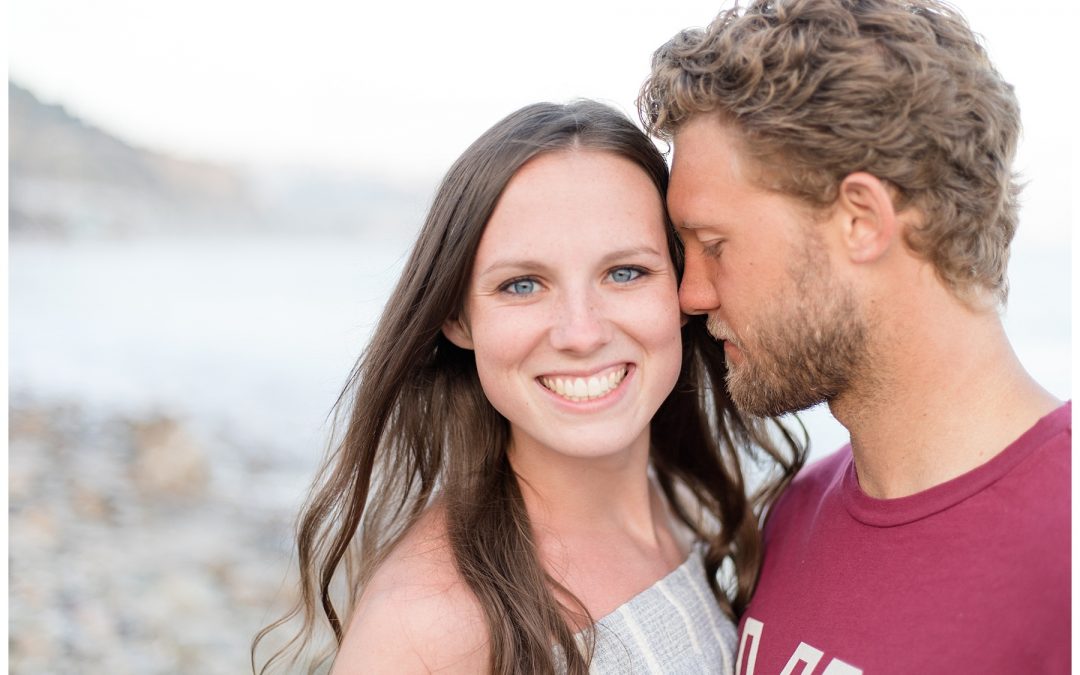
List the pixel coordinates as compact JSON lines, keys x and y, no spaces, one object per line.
{"x":869,"y":217}
{"x":456,"y":330}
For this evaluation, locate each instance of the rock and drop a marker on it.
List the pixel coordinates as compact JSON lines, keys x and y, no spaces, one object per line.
{"x":90,"y":502}
{"x":125,"y":557}
{"x":168,"y":461}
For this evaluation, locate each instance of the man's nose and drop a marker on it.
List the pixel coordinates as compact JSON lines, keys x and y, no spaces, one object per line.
{"x":697,"y":291}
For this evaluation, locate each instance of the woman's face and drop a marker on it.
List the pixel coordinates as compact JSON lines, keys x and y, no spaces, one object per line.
{"x":573,"y":308}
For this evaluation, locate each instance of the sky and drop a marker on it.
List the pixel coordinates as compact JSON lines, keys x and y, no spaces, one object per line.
{"x":401,"y":88}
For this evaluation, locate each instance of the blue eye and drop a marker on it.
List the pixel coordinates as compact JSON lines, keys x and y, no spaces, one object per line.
{"x":521,"y":287}
{"x":625,"y":274}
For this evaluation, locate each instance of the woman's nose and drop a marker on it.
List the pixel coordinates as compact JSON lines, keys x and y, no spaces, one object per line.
{"x":580,"y":324}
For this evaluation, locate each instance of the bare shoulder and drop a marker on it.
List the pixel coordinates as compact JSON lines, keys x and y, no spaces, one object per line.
{"x":416,"y":615}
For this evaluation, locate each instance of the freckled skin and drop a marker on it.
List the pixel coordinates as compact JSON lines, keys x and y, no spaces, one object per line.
{"x":573,"y":278}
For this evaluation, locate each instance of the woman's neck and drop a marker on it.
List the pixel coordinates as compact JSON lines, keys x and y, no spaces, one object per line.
{"x":583,"y":509}
{"x":602,"y":527}
{"x":567,"y":494}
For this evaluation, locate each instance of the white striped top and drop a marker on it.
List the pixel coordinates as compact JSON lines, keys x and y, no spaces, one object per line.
{"x":674,"y":626}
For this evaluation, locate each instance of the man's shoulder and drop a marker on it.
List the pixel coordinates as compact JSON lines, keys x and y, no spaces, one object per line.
{"x":1039,"y":463}
{"x":1058,"y":424}
{"x":814,"y":482}
{"x":822,"y":474}
{"x":1042,"y":455}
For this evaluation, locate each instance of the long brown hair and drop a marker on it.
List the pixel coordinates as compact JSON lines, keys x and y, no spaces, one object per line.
{"x":419,"y":425}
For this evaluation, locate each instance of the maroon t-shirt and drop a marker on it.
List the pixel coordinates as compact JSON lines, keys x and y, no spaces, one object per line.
{"x":970,"y":576}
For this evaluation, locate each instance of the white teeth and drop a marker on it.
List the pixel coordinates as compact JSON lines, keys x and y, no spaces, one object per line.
{"x":581,"y":389}
{"x":594,"y":387}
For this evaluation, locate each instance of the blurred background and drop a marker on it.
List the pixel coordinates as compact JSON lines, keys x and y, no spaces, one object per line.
{"x":208,"y":205}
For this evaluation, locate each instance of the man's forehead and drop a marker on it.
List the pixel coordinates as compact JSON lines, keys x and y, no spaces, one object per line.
{"x":705,"y":140}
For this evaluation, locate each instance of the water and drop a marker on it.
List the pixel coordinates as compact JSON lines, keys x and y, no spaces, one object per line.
{"x":254,"y":337}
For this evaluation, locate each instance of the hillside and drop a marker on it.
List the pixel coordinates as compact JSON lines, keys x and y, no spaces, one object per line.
{"x":68,"y":177}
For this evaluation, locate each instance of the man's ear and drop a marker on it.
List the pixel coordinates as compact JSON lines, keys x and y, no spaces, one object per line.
{"x":456,"y":330}
{"x":870,"y":223}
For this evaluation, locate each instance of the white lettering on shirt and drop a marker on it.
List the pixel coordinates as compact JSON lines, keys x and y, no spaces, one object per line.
{"x":753,"y":631}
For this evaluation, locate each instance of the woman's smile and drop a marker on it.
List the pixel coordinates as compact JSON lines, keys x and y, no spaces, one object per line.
{"x":599,"y":385}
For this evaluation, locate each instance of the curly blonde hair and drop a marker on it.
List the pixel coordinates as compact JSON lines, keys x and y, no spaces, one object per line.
{"x":902,"y":89}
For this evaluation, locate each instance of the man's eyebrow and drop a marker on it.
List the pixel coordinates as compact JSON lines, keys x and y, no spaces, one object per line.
{"x":690,"y":225}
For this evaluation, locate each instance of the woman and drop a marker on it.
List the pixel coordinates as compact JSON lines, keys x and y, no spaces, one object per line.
{"x":530,"y":447}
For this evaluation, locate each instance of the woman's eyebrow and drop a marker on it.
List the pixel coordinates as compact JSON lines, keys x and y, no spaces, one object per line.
{"x":630,"y":252}
{"x":514,"y":263}
{"x":529,"y":263}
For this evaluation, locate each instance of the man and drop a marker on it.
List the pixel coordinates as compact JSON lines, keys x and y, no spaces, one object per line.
{"x":842,"y":181}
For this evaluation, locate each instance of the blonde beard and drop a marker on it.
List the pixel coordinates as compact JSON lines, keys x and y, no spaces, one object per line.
{"x":804,"y":352}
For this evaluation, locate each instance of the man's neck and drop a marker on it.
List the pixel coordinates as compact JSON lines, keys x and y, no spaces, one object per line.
{"x":943,"y":398}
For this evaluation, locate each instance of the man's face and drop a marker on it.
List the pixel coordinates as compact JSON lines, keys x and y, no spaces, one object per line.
{"x":760,"y":269}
